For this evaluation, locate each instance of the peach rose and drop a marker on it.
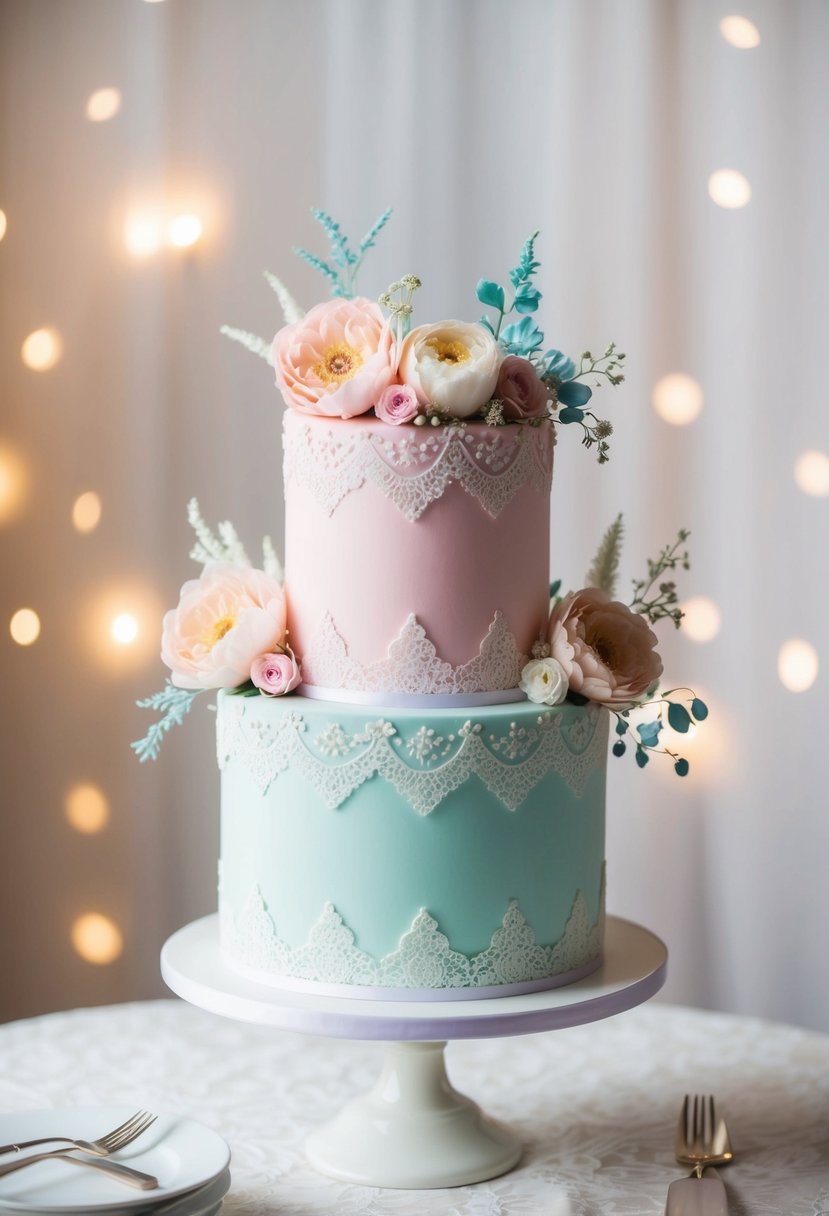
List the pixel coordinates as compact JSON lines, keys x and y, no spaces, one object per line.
{"x":606,"y":650}
{"x":523,"y":394}
{"x":336,"y":360}
{"x":223,"y":621}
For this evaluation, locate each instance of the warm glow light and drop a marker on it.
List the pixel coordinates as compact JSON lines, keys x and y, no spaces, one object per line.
{"x":42,"y":349}
{"x":729,"y":188}
{"x":3,"y":224}
{"x":86,"y":512}
{"x":702,"y":619}
{"x":25,"y":626}
{"x":103,"y":105}
{"x":143,"y":235}
{"x":87,"y":809}
{"x":13,"y":481}
{"x":811,"y":472}
{"x":124,"y":629}
{"x":97,"y":938}
{"x":797,"y":664}
{"x":677,"y":398}
{"x":185,"y":230}
{"x":740,"y":32}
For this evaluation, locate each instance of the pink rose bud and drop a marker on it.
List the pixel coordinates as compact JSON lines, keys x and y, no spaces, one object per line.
{"x":523,"y":394}
{"x":397,"y":404}
{"x":275,"y":674}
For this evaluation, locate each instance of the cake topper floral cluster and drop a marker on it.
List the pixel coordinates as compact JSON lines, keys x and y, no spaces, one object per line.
{"x":349,"y":356}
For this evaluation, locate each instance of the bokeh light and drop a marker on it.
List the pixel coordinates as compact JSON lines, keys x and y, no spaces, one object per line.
{"x":143,"y":235}
{"x":740,"y":32}
{"x":185,"y":231}
{"x":729,"y":188}
{"x":103,"y":104}
{"x":25,"y":626}
{"x":87,"y":808}
{"x":4,"y":223}
{"x":86,"y":512}
{"x":42,"y":349}
{"x":124,"y":629}
{"x":811,"y":472}
{"x":97,"y":938}
{"x":677,"y":398}
{"x":797,"y":664}
{"x":702,"y":618}
{"x":13,"y":483}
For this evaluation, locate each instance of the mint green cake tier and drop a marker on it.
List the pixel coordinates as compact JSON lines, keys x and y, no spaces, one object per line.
{"x":411,"y":854}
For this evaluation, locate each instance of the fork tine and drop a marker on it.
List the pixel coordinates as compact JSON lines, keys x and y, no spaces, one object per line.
{"x":138,"y":1128}
{"x":121,"y":1135}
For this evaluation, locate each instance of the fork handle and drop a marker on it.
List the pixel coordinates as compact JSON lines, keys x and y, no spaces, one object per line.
{"x":15,"y":1148}
{"x":697,"y":1197}
{"x":124,"y":1173}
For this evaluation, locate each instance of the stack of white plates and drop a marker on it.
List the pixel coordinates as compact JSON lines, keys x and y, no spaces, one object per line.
{"x":189,"y":1160}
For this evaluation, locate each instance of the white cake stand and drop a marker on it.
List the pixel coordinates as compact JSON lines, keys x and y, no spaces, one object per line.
{"x":413,"y":1130}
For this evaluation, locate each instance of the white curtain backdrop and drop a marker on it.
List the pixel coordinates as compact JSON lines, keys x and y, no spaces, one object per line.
{"x":598,"y":122}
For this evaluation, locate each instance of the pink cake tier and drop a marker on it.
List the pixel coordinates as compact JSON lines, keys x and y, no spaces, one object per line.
{"x":417,"y":557}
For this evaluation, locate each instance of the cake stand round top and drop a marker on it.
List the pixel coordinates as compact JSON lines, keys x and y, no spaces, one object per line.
{"x":634,"y":968}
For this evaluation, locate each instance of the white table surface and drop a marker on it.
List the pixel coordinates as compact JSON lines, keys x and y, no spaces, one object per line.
{"x":595,"y":1105}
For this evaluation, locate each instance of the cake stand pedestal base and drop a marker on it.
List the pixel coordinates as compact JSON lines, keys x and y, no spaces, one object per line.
{"x":413,"y":1130}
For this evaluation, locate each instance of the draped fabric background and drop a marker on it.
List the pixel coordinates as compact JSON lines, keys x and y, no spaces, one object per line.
{"x":598,"y":122}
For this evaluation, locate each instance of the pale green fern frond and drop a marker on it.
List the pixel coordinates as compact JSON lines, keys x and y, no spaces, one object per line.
{"x":605,"y":568}
{"x":291,"y":311}
{"x":257,"y":346}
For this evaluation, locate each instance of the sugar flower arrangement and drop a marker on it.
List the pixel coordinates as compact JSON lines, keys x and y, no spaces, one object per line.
{"x":350,"y":356}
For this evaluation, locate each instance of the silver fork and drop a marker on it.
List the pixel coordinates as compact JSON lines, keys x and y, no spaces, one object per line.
{"x":119,"y":1137}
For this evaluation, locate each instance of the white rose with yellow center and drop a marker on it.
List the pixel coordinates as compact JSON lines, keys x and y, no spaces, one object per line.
{"x":451,"y":365}
{"x":544,"y":681}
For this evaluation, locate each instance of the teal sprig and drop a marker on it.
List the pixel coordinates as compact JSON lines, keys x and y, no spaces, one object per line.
{"x":655,"y":597}
{"x":525,"y":299}
{"x":645,"y":736}
{"x":175,"y":705}
{"x":565,"y":379}
{"x":341,"y":270}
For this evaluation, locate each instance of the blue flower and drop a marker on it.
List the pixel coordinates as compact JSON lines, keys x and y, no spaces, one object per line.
{"x":559,"y":365}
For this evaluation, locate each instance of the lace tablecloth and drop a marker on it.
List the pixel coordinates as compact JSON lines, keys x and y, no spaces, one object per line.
{"x":595,"y":1105}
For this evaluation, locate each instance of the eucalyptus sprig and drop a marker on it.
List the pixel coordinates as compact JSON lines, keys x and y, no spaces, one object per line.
{"x":645,"y":736}
{"x":655,"y":597}
{"x":525,"y":298}
{"x":344,"y":262}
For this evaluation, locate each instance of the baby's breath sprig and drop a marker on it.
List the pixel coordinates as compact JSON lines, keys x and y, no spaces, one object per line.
{"x":663,"y":598}
{"x":609,"y":364}
{"x":401,"y":309}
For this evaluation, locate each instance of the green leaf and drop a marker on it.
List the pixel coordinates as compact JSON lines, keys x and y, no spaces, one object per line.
{"x":490,"y":293}
{"x":522,"y":337}
{"x":641,"y":757}
{"x":487,"y":324}
{"x":621,"y":726}
{"x":555,"y":587}
{"x":619,"y":748}
{"x":603,"y":572}
{"x":681,"y":768}
{"x":699,"y":709}
{"x":527,"y":298}
{"x":678,"y":717}
{"x":649,"y":733}
{"x":570,"y":413}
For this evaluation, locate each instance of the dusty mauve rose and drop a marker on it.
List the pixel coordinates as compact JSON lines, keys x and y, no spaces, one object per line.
{"x":336,"y":360}
{"x":606,"y":650}
{"x":223,"y":621}
{"x":520,"y":389}
{"x":452,"y":365}
{"x":275,"y":674}
{"x":397,"y":404}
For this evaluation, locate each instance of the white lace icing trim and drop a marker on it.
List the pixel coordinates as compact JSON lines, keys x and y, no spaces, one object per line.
{"x":414,"y":468}
{"x":424,"y":767}
{"x":423,"y":959}
{"x":412,"y":665}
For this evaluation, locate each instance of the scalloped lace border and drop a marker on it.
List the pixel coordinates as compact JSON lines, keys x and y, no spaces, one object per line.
{"x":424,"y":767}
{"x":424,"y":958}
{"x":414,"y":469}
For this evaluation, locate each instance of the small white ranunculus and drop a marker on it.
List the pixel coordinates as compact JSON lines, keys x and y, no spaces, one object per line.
{"x":452,"y":365}
{"x":544,"y":681}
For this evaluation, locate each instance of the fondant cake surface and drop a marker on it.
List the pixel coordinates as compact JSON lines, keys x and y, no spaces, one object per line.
{"x":446,"y":852}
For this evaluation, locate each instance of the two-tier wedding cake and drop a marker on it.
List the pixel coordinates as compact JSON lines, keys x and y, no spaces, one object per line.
{"x":412,"y":723}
